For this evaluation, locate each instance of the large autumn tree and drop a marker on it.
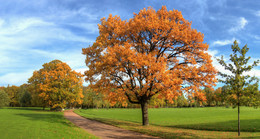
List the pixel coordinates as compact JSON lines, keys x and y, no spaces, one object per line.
{"x":155,"y":52}
{"x":57,"y":85}
{"x":239,"y":84}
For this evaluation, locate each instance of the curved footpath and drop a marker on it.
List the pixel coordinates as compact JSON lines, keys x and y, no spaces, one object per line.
{"x":102,"y":130}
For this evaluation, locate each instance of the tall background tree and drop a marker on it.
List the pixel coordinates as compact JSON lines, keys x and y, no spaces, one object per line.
{"x":155,"y":52}
{"x":4,"y":99}
{"x":93,"y":99}
{"x":13,"y":94}
{"x":25,"y":97}
{"x":238,"y":81}
{"x":57,"y":85}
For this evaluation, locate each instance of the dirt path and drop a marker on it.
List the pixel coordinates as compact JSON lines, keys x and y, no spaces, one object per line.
{"x":102,"y":130}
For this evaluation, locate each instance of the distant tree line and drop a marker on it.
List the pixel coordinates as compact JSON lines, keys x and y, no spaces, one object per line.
{"x":213,"y":98}
{"x":57,"y":86}
{"x":16,"y":96}
{"x":23,"y":96}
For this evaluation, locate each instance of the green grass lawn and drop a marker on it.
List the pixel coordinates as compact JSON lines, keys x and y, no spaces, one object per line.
{"x":30,"y":123}
{"x":212,"y":120}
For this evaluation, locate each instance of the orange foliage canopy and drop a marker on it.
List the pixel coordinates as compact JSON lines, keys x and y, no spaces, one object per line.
{"x":57,"y":84}
{"x":155,"y":52}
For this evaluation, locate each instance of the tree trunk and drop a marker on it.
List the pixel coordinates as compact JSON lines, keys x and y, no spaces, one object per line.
{"x":238,"y":108}
{"x":166,"y":103}
{"x":144,"y":106}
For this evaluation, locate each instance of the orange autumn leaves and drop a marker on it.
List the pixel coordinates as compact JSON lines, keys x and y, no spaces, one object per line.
{"x":155,"y":52}
{"x":57,"y":85}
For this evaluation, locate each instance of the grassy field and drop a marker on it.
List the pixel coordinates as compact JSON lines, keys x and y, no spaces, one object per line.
{"x":29,"y":123}
{"x":183,"y":122}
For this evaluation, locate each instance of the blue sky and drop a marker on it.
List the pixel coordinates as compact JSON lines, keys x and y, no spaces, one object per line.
{"x":34,"y":32}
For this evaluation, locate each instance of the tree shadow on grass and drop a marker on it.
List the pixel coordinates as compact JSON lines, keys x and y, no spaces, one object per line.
{"x":28,"y":108}
{"x":251,"y":125}
{"x":151,"y":130}
{"x":52,"y":117}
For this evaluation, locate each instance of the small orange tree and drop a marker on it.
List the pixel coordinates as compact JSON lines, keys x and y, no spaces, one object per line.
{"x":57,"y":85}
{"x":151,"y":53}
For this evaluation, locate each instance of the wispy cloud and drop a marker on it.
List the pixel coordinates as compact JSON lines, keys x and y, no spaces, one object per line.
{"x":31,"y":32}
{"x":223,"y":42}
{"x":27,"y":43}
{"x":15,"y":78}
{"x":14,"y":26}
{"x":12,"y":70}
{"x":257,"y":13}
{"x":240,"y":24}
{"x":256,"y":37}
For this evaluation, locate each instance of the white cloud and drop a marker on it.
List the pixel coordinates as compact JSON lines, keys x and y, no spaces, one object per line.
{"x":256,"y":37}
{"x":215,"y":55}
{"x":27,"y":43}
{"x":73,"y":58}
{"x":92,"y":28}
{"x":254,"y":72}
{"x":1,"y":22}
{"x":212,"y":18}
{"x":15,"y":26}
{"x":19,"y":34}
{"x":257,"y":13}
{"x":66,"y":14}
{"x":81,"y":70}
{"x":241,"y":23}
{"x":224,"y":42}
{"x":15,"y":78}
{"x":213,"y":52}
